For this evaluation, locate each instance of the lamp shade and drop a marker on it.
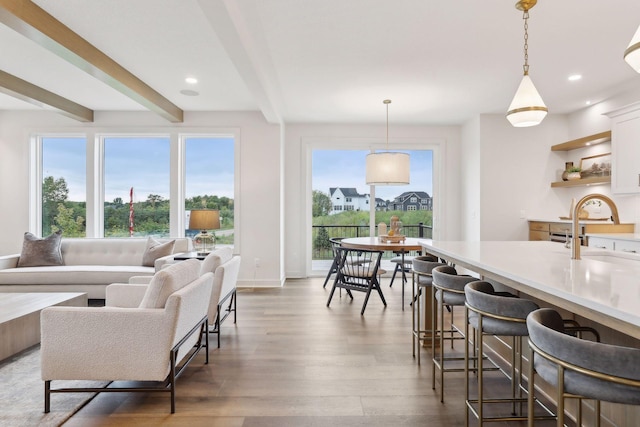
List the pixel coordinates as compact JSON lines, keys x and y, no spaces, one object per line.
{"x":387,"y":168}
{"x":527,"y":107}
{"x":204,"y":219}
{"x":632,"y":54}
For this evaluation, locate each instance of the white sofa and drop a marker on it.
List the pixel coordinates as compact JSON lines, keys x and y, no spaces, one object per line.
{"x":89,"y":266}
{"x":137,"y":336}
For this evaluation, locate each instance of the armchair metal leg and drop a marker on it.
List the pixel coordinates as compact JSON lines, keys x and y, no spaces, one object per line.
{"x":47,"y":396}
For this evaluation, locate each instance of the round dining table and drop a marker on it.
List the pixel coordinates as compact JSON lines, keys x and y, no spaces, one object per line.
{"x":374,"y":244}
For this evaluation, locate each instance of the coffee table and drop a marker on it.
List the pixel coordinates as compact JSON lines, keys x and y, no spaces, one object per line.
{"x":20,"y":317}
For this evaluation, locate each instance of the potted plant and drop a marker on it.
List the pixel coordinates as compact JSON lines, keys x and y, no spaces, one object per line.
{"x":574,"y":173}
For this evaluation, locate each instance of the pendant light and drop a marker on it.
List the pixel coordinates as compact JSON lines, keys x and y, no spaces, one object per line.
{"x":527,"y":107}
{"x":632,"y":54}
{"x":387,"y":168}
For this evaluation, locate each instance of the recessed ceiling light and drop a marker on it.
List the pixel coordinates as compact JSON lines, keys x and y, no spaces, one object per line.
{"x":189,"y":92}
{"x":191,"y":80}
{"x":588,"y":103}
{"x":574,"y":77}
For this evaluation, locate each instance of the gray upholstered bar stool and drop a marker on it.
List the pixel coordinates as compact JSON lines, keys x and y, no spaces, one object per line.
{"x":501,"y":314}
{"x":580,"y":368}
{"x":448,"y":292}
{"x":421,"y":279}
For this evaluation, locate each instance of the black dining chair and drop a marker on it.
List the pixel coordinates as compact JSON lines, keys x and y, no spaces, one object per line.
{"x":335,"y":244}
{"x":358,"y":270}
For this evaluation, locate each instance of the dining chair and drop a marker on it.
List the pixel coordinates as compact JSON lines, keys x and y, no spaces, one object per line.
{"x":335,"y":244}
{"x":358,"y":270}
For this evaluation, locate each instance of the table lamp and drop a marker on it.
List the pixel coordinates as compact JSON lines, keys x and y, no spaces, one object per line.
{"x":203,"y":220}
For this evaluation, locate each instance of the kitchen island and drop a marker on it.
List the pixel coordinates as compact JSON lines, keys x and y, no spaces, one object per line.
{"x":601,"y":290}
{"x":601,"y":287}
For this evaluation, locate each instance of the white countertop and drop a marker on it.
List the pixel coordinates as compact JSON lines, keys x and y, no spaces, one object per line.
{"x":634,"y":237}
{"x":606,"y":292}
{"x":568,"y":221}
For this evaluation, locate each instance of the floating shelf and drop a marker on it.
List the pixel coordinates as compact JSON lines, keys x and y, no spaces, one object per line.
{"x":596,"y":180}
{"x":586,"y":141}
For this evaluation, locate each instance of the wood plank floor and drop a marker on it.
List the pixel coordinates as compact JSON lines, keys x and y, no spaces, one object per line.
{"x":291,"y":361}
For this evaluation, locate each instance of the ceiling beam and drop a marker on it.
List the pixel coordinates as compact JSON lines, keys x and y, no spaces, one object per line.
{"x":249,"y":54}
{"x":35,"y":23}
{"x":21,"y":89}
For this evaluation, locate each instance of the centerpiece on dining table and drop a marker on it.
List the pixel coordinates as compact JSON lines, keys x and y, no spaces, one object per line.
{"x":394,"y":235}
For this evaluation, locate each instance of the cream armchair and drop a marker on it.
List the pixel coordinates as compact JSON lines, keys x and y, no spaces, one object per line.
{"x":144,"y":333}
{"x":225,"y":268}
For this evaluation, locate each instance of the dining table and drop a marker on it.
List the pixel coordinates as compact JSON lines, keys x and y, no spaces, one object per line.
{"x":376,"y":244}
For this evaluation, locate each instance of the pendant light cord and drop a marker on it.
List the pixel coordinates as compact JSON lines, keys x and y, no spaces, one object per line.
{"x":525,"y":16}
{"x":387,"y":102}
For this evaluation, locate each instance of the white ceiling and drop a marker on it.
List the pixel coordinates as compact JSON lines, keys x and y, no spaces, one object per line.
{"x":441,"y":62}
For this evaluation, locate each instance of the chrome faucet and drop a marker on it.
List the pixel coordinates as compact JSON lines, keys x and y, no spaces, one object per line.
{"x":575,"y":246}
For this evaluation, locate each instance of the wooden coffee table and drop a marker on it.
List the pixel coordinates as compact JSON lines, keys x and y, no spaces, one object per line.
{"x":20,"y":317}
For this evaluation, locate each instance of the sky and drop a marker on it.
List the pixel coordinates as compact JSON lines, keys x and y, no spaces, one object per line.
{"x":143,"y":163}
{"x":346,"y":168}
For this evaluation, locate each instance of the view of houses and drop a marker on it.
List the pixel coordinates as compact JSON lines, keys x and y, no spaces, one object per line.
{"x":348,"y":199}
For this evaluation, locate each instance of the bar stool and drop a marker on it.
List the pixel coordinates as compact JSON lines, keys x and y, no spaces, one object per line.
{"x":448,"y":291}
{"x":500,"y":314}
{"x":580,"y":368}
{"x":421,"y":278}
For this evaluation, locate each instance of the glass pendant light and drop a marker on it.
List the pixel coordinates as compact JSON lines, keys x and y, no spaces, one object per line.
{"x":632,"y":53}
{"x":527,"y":107}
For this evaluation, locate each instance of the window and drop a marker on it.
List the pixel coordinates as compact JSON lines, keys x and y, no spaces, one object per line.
{"x":209,"y":181}
{"x":348,"y":199}
{"x":414,"y":199}
{"x":63,"y":191}
{"x":411,"y":208}
{"x":348,"y":208}
{"x":136,"y":186}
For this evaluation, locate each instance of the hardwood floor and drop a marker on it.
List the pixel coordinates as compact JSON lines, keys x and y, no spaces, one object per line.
{"x":291,"y":361}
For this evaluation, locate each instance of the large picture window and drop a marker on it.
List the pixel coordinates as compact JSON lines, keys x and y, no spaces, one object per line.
{"x":209,"y":182}
{"x":133,"y":184}
{"x":136,"y":186}
{"x":63,"y":203}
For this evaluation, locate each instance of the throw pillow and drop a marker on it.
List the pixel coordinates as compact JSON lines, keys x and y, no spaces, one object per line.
{"x":38,"y":252}
{"x":156,"y":250}
{"x":169,"y":280}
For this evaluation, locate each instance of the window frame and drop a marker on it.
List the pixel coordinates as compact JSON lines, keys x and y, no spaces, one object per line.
{"x":95,"y":173}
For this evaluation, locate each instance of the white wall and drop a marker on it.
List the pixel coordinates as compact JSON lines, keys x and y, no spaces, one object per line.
{"x":470,"y":191}
{"x":260,"y":196}
{"x":297,"y":183}
{"x":516,"y":171}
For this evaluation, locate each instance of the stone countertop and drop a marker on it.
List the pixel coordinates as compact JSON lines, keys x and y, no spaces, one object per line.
{"x":568,"y":221}
{"x":603,"y":286}
{"x":633,"y":237}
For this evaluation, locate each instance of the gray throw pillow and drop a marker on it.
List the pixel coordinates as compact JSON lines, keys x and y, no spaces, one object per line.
{"x":38,"y":252}
{"x":156,"y":250}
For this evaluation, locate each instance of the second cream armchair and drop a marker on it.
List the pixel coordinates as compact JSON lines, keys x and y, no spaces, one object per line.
{"x":225,"y":268}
